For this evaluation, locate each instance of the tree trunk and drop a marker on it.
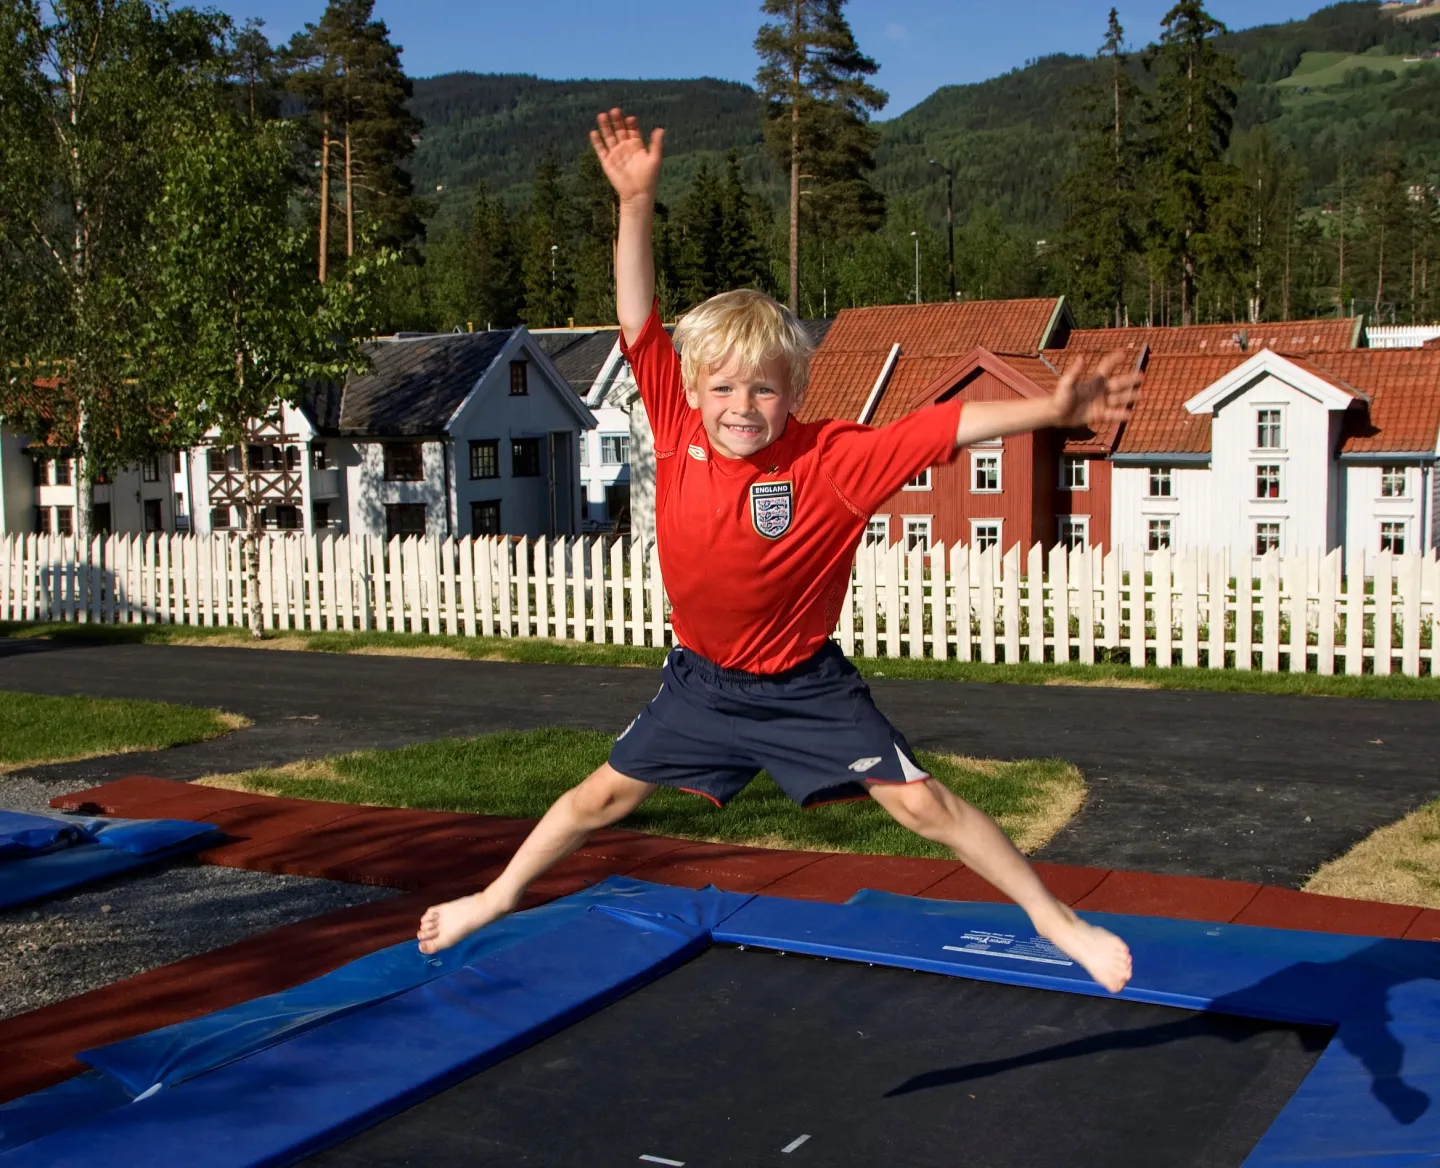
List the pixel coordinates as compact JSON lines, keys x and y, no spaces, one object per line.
{"x":1340,"y":281}
{"x":795,"y":169}
{"x":324,"y":193}
{"x":252,"y":542}
{"x":1380,"y":272}
{"x":349,"y":201}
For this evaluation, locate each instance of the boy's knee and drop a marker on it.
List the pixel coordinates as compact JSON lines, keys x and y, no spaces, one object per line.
{"x":918,"y":806}
{"x":607,"y":795}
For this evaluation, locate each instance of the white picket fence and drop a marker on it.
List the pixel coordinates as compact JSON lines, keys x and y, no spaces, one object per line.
{"x":1286,"y":613}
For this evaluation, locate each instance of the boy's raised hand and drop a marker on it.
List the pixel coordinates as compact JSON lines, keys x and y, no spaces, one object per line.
{"x":632,"y":167}
{"x":1096,"y":398}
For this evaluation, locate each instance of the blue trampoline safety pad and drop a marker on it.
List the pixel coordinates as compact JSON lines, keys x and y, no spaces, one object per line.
{"x":281,"y":1078}
{"x":45,"y":854}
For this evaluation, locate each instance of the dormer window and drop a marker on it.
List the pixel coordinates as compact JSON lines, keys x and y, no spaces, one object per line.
{"x":1268,"y":435}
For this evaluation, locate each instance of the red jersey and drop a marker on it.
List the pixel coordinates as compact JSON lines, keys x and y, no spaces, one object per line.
{"x":756,"y":552}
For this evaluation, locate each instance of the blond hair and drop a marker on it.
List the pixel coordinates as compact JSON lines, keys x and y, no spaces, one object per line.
{"x":749,"y":325}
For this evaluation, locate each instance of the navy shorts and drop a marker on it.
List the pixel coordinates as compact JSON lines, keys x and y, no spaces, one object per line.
{"x":815,"y":728}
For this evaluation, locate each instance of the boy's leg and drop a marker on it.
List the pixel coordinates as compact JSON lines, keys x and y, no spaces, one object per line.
{"x":604,"y":798}
{"x":932,"y":810}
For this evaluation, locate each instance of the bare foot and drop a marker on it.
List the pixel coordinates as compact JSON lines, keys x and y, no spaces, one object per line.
{"x":1105,"y":957}
{"x":445,"y":924}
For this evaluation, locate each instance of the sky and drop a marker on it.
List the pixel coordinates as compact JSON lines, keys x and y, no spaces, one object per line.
{"x":920,"y":45}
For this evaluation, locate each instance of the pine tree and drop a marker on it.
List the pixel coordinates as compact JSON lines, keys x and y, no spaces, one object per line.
{"x":348,"y":74}
{"x":1099,"y":237}
{"x":813,"y":77}
{"x":596,"y":219}
{"x":742,"y":263}
{"x":473,"y":270}
{"x":1190,"y":119}
{"x":547,"y":256}
{"x":702,"y":267}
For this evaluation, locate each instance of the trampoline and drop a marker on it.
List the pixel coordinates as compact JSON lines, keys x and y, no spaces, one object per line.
{"x":636,"y":1024}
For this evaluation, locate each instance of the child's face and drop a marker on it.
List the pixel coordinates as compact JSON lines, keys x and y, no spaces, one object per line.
{"x":743,"y":413}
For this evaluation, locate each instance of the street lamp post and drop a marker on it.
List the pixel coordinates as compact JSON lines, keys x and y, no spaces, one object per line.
{"x":949,"y":217}
{"x":915,"y":235}
{"x":554,"y":247}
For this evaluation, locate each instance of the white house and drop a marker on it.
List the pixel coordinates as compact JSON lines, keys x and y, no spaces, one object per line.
{"x":1303,"y":454}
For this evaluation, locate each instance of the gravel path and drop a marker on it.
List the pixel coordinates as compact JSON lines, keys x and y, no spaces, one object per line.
{"x":105,"y":932}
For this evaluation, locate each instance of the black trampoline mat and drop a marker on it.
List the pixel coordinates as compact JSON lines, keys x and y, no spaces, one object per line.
{"x":732,"y":1058}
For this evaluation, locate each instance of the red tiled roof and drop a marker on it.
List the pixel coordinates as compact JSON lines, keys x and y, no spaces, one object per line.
{"x":1160,"y":424}
{"x":1404,"y":390}
{"x":1288,"y":337}
{"x":931,"y":337}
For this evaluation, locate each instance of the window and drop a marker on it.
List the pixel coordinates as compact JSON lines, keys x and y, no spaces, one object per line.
{"x":1074,"y":530}
{"x":41,"y":467}
{"x":62,"y":472}
{"x":1392,"y":538}
{"x":1267,"y":481}
{"x":1392,"y":482}
{"x":218,"y":461}
{"x":1267,"y":537}
{"x":485,"y":517}
{"x":985,"y":535}
{"x":404,"y":519}
{"x":404,"y":462}
{"x":917,"y":532}
{"x":320,"y":515}
{"x":524,"y":457}
{"x":100,"y":519}
{"x":877,"y":531}
{"x":485,"y":459}
{"x":1074,"y":474}
{"x":617,"y":506}
{"x":287,"y":517}
{"x":64,"y":521}
{"x":1267,"y":430}
{"x":920,"y":482}
{"x":986,"y":478}
{"x":614,"y":449}
{"x":317,"y":457}
{"x":219,"y":518}
{"x":1160,"y":532}
{"x":150,"y":472}
{"x":154,"y":517}
{"x":42,"y":520}
{"x":584,"y":449}
{"x":519,"y":385}
{"x":1161,"y":485}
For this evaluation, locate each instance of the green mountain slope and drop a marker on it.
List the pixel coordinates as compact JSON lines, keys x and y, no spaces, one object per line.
{"x":1327,"y":86}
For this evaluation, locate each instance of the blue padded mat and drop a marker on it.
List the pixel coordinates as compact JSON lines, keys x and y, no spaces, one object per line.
{"x":44,"y":854}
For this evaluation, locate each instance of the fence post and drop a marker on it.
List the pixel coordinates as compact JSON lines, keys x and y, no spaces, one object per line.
{"x":1035,"y":602}
{"x":1384,"y":614}
{"x":1410,"y":584}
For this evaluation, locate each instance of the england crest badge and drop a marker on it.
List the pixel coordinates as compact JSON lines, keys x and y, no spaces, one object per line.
{"x":771,"y":508}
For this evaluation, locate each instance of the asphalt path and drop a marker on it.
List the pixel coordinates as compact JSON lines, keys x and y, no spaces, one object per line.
{"x":1238,"y":786}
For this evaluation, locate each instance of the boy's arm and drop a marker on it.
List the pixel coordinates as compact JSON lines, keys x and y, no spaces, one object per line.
{"x":633,"y":169}
{"x":1083,"y":398}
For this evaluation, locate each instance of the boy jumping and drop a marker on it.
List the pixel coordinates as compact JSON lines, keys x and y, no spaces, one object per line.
{"x":757,"y":517}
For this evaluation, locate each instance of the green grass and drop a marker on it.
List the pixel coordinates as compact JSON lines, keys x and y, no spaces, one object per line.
{"x":520,"y":773}
{"x":1318,"y":70}
{"x":37,"y":728}
{"x":551,"y":652}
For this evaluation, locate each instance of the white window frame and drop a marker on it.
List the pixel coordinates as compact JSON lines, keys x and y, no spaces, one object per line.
{"x":1404,"y":534}
{"x":911,"y":525}
{"x":1068,"y":463}
{"x":1279,"y":411}
{"x":584,"y":445}
{"x":1279,"y":477}
{"x":977,"y":524}
{"x":1389,"y":471}
{"x":622,"y":442}
{"x":1079,"y":524}
{"x":1154,"y":474}
{"x":1153,"y":529}
{"x":1279,"y":534}
{"x":975,"y":459}
{"x":920,"y":482}
{"x":877,"y":531}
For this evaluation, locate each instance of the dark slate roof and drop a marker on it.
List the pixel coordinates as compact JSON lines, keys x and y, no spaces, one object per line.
{"x":321,"y":404}
{"x":817,"y":328}
{"x":578,"y":356}
{"x":413,"y":386}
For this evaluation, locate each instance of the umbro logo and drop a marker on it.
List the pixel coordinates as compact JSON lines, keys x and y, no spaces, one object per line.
{"x":860,"y":765}
{"x":698,"y":453}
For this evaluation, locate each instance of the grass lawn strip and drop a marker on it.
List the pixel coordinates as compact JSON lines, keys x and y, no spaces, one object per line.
{"x":1398,"y":864}
{"x":520,"y":773}
{"x":39,"y":728}
{"x":557,"y":652}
